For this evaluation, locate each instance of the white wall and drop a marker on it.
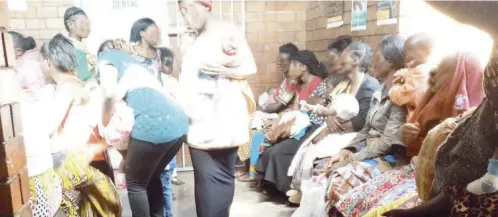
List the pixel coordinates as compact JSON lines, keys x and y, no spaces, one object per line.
{"x":109,"y":22}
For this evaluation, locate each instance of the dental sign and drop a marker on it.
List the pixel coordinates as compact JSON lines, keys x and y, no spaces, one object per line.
{"x":119,"y":4}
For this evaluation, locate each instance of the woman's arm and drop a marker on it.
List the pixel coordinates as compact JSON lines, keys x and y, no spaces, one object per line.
{"x":108,"y":83}
{"x":274,"y":107}
{"x":438,"y":205}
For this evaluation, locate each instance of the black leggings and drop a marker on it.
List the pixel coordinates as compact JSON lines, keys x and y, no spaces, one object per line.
{"x":214,"y":174}
{"x":145,"y":162}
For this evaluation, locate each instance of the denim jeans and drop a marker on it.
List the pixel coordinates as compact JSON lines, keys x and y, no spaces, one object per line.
{"x":167,"y":192}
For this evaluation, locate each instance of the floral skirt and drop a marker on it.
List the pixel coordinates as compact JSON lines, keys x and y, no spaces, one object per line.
{"x":345,"y":179}
{"x":46,"y":193}
{"x":379,"y":191}
{"x":98,"y":197}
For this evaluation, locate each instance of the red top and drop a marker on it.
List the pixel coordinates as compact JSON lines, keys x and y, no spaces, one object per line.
{"x":304,"y":93}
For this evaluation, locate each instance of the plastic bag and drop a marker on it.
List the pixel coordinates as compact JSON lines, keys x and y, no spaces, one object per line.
{"x":313,"y":198}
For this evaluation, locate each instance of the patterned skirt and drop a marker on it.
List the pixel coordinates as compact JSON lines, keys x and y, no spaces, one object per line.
{"x":380,"y":191}
{"x":346,"y":178}
{"x":46,"y":193}
{"x":98,"y":197}
{"x":466,"y":204}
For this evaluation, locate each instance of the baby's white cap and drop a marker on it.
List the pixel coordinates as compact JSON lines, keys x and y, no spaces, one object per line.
{"x":346,"y":106}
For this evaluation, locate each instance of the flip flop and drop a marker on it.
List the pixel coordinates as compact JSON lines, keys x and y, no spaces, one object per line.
{"x":239,"y":174}
{"x":246,"y":178}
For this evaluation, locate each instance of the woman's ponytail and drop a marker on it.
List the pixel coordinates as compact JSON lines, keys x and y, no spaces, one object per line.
{"x":319,"y":70}
{"x":309,"y":59}
{"x":28,"y":43}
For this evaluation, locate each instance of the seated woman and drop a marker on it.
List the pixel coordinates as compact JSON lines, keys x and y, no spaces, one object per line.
{"x":356,"y":61}
{"x":75,"y":112}
{"x":304,"y":65}
{"x":287,"y":90}
{"x":458,"y":76}
{"x":377,"y":147}
{"x":463,"y":158}
{"x":320,"y":96}
{"x":278,"y":100}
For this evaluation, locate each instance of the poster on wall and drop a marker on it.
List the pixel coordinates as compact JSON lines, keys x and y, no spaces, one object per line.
{"x":334,"y":12}
{"x":387,"y":12}
{"x":359,"y":15}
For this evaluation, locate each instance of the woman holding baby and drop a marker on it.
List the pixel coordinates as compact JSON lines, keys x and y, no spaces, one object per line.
{"x":217,"y":98}
{"x":346,"y":115}
{"x":377,"y":147}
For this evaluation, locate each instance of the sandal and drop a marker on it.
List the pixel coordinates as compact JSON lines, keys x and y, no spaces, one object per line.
{"x":240,"y":173}
{"x":246,"y":178}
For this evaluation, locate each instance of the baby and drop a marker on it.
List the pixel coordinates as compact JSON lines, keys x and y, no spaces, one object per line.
{"x":267,"y":98}
{"x":410,"y":83}
{"x":217,"y":95}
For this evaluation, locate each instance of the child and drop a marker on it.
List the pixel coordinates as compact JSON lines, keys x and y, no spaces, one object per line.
{"x":410,"y":83}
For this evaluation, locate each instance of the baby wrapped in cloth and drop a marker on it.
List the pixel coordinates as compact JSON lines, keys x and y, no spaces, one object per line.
{"x":218,"y":102}
{"x":345,"y":107}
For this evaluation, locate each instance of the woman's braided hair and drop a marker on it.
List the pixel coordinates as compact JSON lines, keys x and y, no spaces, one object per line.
{"x":70,"y":14}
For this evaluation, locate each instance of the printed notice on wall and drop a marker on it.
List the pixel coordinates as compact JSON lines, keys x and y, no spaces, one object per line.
{"x":334,"y":12}
{"x":387,"y":12}
{"x":359,"y":15}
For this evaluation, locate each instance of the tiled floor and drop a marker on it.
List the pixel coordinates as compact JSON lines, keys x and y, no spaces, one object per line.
{"x":247,"y":203}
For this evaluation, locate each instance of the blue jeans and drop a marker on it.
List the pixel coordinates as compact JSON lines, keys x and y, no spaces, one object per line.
{"x":257,"y":140}
{"x":167,"y":192}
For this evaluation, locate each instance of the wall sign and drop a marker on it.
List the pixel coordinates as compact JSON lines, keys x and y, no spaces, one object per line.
{"x":118,"y":4}
{"x":359,"y":15}
{"x":387,"y":12}
{"x":334,"y":12}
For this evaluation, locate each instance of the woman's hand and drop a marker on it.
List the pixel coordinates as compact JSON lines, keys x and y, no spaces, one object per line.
{"x":334,"y":125}
{"x":397,"y":213}
{"x":261,"y":149}
{"x":338,"y":161}
{"x":342,"y":156}
{"x":410,"y":132}
{"x":306,"y":106}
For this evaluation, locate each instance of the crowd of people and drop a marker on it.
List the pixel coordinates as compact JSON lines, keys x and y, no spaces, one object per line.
{"x":397,"y":132}
{"x":76,"y":104}
{"x":413,"y":140}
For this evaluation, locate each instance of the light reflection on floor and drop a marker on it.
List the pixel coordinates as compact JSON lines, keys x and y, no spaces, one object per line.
{"x":247,"y":203}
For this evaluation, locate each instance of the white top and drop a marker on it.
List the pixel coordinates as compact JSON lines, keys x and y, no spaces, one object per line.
{"x":218,"y":108}
{"x":36,"y":134}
